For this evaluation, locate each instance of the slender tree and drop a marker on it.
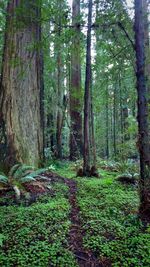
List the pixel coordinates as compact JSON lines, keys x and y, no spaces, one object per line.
{"x":86,"y":156}
{"x":59,"y":78}
{"x":107,"y":122}
{"x":93,"y":145}
{"x":143,"y":121}
{"x":147,"y":41}
{"x":21,"y":83}
{"x":75,"y":87}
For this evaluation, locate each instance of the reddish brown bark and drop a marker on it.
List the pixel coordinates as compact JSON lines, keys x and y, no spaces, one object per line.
{"x":21,"y":83}
{"x":86,"y":156}
{"x":143,"y":118}
{"x":75,"y":87}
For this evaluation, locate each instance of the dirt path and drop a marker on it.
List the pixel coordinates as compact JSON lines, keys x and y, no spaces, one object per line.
{"x":84,"y":258}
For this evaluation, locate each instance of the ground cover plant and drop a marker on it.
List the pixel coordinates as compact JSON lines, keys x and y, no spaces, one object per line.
{"x":112,"y":227}
{"x":36,"y":235}
{"x":105,"y":213}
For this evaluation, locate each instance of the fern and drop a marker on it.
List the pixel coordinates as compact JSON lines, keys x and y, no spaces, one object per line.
{"x":3,"y":179}
{"x":22,"y":170}
{"x":38,"y":172}
{"x":27,"y":178}
{"x":18,"y":175}
{"x":13,"y":170}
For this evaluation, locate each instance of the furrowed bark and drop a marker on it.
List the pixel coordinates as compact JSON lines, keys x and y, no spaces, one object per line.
{"x":86,"y":157}
{"x":75,"y":87}
{"x":143,"y":117}
{"x":20,"y":95}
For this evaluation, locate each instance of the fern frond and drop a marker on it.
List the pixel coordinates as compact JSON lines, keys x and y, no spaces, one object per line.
{"x":14,"y":169}
{"x":2,"y":173}
{"x":27,"y":178}
{"x":22,"y":170}
{"x":3,"y":179}
{"x":38,"y":172}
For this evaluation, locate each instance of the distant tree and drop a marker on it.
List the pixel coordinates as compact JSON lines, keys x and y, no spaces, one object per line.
{"x":75,"y":86}
{"x":21,"y":83}
{"x":143,"y":116}
{"x":86,"y":156}
{"x":147,"y":39}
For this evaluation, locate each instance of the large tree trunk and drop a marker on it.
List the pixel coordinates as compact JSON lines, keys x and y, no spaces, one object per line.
{"x":21,"y":84}
{"x":146,"y":4}
{"x":59,"y":108}
{"x":86,"y":157}
{"x":143,"y":121}
{"x":75,"y":87}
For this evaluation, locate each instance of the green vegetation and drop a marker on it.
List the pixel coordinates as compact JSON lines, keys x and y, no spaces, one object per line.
{"x":74,"y":100}
{"x":36,"y":235}
{"x":109,"y":217}
{"x":19,"y":175}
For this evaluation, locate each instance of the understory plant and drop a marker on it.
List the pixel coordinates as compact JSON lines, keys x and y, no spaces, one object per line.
{"x":17,"y":176}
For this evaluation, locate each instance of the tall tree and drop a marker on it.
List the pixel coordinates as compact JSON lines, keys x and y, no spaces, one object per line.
{"x":86,"y":156}
{"x":21,"y":83}
{"x":147,"y":40}
{"x":143,"y":121}
{"x":58,"y":52}
{"x":75,"y":87}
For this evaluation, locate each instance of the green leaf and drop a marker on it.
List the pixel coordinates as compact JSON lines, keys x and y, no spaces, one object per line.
{"x":3,"y":179}
{"x":21,"y":171}
{"x":27,"y":178}
{"x":2,"y":238}
{"x":13,"y":170}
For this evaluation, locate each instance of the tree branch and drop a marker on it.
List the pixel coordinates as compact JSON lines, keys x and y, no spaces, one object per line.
{"x":126,"y":34}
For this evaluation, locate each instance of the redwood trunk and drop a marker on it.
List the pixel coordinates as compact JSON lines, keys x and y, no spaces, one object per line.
{"x":58,"y":51}
{"x":75,"y":88}
{"x":86,"y":158}
{"x":143,"y":121}
{"x":21,"y":84}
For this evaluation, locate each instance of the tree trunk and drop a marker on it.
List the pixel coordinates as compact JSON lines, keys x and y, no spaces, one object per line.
{"x":21,"y":83}
{"x":75,"y":88}
{"x":125,"y":115}
{"x":114,"y":122}
{"x":93,"y":132}
{"x":59,"y":110}
{"x":107,"y":122}
{"x":58,"y":52}
{"x":143,"y":121}
{"x":86,"y":156}
{"x":147,"y":42}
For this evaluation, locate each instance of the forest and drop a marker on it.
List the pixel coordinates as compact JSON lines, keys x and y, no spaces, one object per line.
{"x":75,"y":133}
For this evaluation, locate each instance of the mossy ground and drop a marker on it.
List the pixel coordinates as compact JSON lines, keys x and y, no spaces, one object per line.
{"x":36,"y":235}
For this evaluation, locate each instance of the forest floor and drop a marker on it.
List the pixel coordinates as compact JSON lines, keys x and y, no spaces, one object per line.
{"x":78,"y":222}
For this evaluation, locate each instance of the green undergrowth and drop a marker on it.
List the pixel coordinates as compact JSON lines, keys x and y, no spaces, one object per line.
{"x":109,"y":217}
{"x":36,"y":236}
{"x":65,"y":169}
